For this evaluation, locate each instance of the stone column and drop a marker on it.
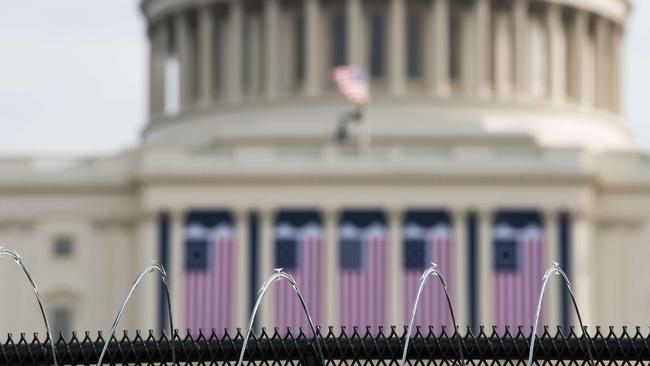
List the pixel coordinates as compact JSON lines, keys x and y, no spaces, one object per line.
{"x":394,"y":270}
{"x":557,"y":54}
{"x":603,"y":67}
{"x":522,"y":48}
{"x":267,"y":264}
{"x":503,"y":83}
{"x":272,"y":47}
{"x":579,"y":71}
{"x":438,"y":54}
{"x":486,"y":264}
{"x":397,"y":47}
{"x":184,"y":54}
{"x":483,"y":47}
{"x":553,"y":296}
{"x":581,"y":269}
{"x":330,"y":223}
{"x":241,"y":303}
{"x":234,"y":55}
{"x":255,"y":52}
{"x":206,"y":53}
{"x":460,"y":278}
{"x":615,"y":78}
{"x":312,"y":47}
{"x":354,"y":21}
{"x":177,"y":268}
{"x":158,"y":41}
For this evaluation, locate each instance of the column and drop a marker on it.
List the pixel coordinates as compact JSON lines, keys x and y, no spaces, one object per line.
{"x":438,"y":56}
{"x":177,"y":268}
{"x":553,"y":297}
{"x":486,"y":263}
{"x":206,"y":53}
{"x":234,"y":61}
{"x":557,"y":54}
{"x":503,"y":84}
{"x":459,"y":288}
{"x":184,"y":54}
{"x":603,"y":69}
{"x":313,"y":73}
{"x":482,"y":47}
{"x":397,"y":47}
{"x":272,"y":47}
{"x":159,"y":40}
{"x":395,"y":263}
{"x":331,"y":315}
{"x":147,"y":250}
{"x":616,"y":68}
{"x":267,"y":264}
{"x":522,"y":49}
{"x":354,"y":25}
{"x":578,"y":70}
{"x":581,"y":270}
{"x":242,"y":276}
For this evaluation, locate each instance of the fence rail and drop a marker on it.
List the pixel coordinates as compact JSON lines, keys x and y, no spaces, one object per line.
{"x":353,"y":347}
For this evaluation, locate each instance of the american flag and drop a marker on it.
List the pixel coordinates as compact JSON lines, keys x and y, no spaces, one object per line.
{"x":351,"y":83}
{"x":209,"y":241}
{"x":298,"y":249}
{"x":428,"y":237}
{"x":362,"y":282}
{"x":518,"y":271}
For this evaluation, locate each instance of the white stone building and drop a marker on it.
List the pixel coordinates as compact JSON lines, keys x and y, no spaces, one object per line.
{"x":478,"y":107}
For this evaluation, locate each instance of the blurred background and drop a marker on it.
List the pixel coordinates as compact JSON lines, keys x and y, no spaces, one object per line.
{"x":499,"y":136}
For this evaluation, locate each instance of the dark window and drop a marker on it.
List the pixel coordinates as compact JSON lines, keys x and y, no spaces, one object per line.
{"x":63,"y":246}
{"x":300,"y":48}
{"x":414,"y":46}
{"x":377,"y":45}
{"x":339,"y":46}
{"x":455,"y":47}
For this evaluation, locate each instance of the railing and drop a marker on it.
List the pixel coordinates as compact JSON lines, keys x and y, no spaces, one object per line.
{"x":354,"y":347}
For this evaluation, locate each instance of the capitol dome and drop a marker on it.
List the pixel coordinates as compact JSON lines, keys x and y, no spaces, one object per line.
{"x":437,"y":68}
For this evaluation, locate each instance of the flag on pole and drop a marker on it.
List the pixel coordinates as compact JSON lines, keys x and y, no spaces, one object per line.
{"x":298,"y":250}
{"x":428,"y":237}
{"x":362,"y":264}
{"x":209,"y":246}
{"x":518,"y":268}
{"x":352,"y":83}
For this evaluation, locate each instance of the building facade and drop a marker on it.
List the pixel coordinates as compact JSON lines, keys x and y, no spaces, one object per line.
{"x":493,"y":145}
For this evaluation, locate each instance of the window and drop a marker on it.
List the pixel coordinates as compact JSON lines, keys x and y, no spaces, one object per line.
{"x":63,"y":247}
{"x":377,"y":45}
{"x":62,"y":322}
{"x":339,"y":44}
{"x":455,"y":46}
{"x":414,"y":44}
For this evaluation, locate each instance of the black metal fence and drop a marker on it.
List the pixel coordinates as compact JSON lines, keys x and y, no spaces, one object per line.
{"x":341,"y":346}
